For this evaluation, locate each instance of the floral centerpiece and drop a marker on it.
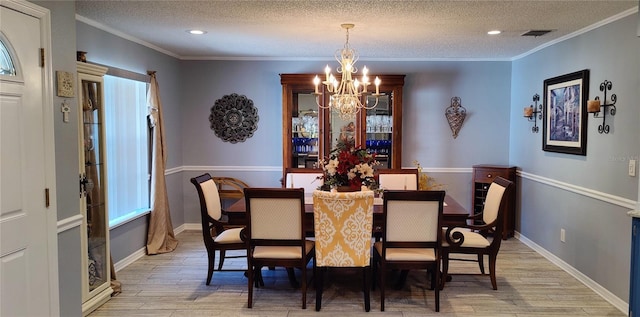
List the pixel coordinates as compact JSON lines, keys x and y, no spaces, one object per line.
{"x":348,"y":166}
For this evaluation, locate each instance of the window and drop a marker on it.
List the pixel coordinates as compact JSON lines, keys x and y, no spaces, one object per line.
{"x":6,"y":64}
{"x":127,"y":148}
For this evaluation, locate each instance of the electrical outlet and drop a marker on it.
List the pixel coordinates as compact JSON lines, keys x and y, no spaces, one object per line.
{"x":632,"y":167}
{"x":562,"y":235}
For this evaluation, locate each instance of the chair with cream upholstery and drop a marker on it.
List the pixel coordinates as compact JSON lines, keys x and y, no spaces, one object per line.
{"x":309,"y":179}
{"x":342,"y":227}
{"x":398,"y":179}
{"x":216,"y":232}
{"x":473,"y":238}
{"x":275,"y":234}
{"x":412,"y":237}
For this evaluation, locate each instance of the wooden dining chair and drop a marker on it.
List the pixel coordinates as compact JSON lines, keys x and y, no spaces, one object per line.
{"x":307,"y":178}
{"x":342,"y":227}
{"x":275,"y":234}
{"x":398,"y":179}
{"x":216,"y":232}
{"x":411,"y":238}
{"x":480,"y":239}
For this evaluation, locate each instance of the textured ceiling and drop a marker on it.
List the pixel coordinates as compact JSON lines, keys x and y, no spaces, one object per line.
{"x":384,"y":30}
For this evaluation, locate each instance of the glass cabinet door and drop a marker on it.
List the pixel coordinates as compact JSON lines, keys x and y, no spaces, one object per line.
{"x":96,"y":276}
{"x":304,"y":130}
{"x":94,"y":174}
{"x":379,"y":130}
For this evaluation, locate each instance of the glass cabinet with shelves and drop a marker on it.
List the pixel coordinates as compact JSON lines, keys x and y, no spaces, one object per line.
{"x":310,"y":132}
{"x":96,"y":274}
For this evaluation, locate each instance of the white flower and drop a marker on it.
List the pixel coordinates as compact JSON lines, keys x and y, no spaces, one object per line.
{"x":331,"y":166}
{"x":365,"y":170}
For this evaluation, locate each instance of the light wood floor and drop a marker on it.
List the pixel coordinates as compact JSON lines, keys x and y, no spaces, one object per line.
{"x":173,"y":285}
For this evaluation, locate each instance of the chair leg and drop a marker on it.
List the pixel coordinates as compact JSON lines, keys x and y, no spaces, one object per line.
{"x":257,"y":276}
{"x":435,"y":283}
{"x":402,"y":279}
{"x":222,"y":254}
{"x":383,"y":277}
{"x":319,"y":281}
{"x":250,"y":277}
{"x":212,"y":260}
{"x":375,"y":270}
{"x":445,"y":269}
{"x":304,"y":285}
{"x":481,"y":262}
{"x":365,"y":279}
{"x":292,"y":277}
{"x":492,"y":270}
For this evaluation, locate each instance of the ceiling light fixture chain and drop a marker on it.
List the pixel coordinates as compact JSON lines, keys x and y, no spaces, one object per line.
{"x":346,"y":95}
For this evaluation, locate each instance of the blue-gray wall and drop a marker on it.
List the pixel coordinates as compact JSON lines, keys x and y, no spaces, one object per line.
{"x":108,"y":49}
{"x":429,"y":86}
{"x":588,"y":196}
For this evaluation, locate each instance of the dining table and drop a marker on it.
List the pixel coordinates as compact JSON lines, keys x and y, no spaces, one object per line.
{"x":453,"y":213}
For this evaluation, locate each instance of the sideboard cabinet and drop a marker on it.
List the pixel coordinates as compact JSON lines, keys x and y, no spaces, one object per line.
{"x":310,"y":132}
{"x":483,"y":176}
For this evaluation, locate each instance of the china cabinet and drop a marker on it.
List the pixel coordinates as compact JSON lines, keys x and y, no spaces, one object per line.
{"x":96,"y":275}
{"x":482,"y":178}
{"x":310,"y":132}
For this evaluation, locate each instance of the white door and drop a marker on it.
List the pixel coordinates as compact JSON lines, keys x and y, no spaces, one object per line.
{"x":25,"y":162}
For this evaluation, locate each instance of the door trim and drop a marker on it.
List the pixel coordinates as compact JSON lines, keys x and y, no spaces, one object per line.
{"x":44,"y":16}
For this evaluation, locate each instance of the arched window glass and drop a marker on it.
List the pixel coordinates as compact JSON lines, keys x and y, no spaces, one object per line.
{"x":6,"y":64}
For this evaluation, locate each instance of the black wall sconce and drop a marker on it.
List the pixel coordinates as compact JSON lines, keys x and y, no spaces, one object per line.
{"x":533,"y":113}
{"x":593,"y":106}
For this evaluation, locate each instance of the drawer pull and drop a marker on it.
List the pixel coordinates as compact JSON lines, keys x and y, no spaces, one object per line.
{"x":489,"y":175}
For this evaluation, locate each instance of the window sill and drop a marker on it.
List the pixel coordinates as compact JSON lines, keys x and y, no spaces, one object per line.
{"x":126,"y":219}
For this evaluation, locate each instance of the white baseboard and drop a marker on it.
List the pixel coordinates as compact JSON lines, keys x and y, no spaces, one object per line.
{"x":603,"y":292}
{"x":140,"y":253}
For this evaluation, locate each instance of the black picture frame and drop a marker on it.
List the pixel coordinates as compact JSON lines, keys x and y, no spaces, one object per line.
{"x":565,"y":113}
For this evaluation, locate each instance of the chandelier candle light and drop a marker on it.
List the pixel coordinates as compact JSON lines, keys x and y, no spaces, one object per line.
{"x":346,"y":94}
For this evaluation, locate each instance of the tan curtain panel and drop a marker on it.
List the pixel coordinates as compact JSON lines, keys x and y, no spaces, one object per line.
{"x":160,"y":238}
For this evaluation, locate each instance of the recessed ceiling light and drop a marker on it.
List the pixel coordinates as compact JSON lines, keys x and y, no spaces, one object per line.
{"x":197,"y":32}
{"x":494,"y":32}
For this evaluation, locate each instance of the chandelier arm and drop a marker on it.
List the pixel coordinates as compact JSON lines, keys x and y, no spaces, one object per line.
{"x":318,"y":102}
{"x":369,"y":108}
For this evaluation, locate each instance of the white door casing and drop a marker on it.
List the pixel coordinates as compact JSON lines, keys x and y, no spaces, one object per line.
{"x":28,"y":239}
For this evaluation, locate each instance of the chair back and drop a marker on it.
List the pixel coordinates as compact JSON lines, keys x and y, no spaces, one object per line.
{"x":275,"y":214}
{"x":343,"y":226}
{"x":494,"y":201}
{"x":209,"y":197}
{"x":398,"y":179}
{"x":309,"y":179}
{"x":413,"y":216}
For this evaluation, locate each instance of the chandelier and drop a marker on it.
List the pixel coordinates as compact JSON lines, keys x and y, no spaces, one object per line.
{"x":346,"y":95}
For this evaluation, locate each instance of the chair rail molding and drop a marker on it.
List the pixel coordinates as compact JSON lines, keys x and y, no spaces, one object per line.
{"x":69,"y":223}
{"x":612,"y":199}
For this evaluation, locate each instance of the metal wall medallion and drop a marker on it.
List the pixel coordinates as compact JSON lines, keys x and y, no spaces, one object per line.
{"x":455,"y":114}
{"x":234,"y":118}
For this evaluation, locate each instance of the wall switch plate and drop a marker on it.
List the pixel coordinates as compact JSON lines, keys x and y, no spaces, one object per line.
{"x":562,"y":235}
{"x":632,"y":167}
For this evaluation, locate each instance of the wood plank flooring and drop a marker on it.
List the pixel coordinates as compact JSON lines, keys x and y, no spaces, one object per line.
{"x":172,"y":285}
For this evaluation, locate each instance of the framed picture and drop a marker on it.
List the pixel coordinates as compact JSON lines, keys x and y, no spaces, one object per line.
{"x":565,"y":113}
